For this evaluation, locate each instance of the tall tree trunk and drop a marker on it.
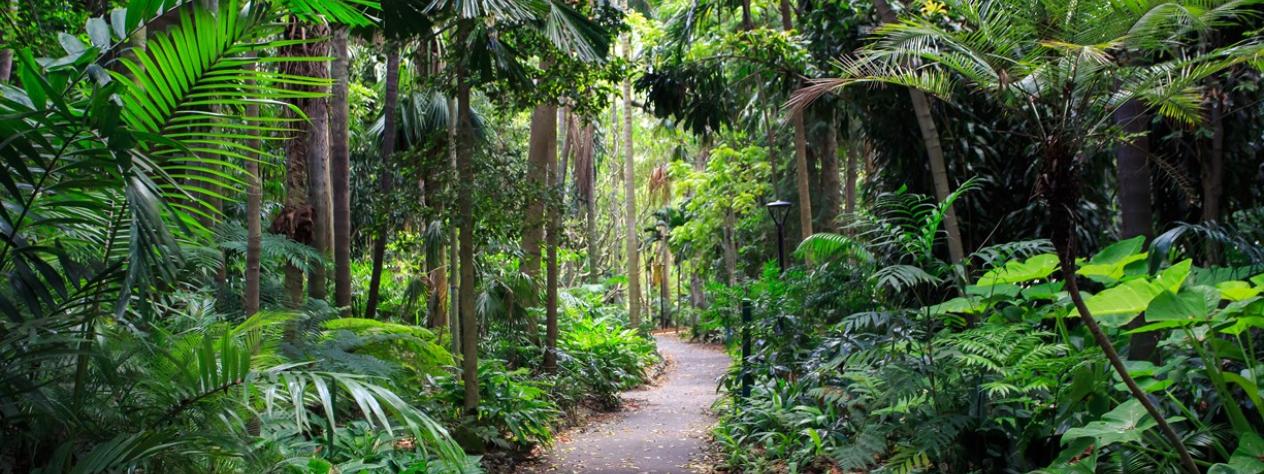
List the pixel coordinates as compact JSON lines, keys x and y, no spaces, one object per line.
{"x":830,"y":185}
{"x":465,"y":208}
{"x":800,"y":148}
{"x":254,"y":224}
{"x":454,"y":279}
{"x":934,"y":151}
{"x":554,"y":212}
{"x":541,"y":153}
{"x":390,"y":103}
{"x":318,"y":189}
{"x":629,"y":190}
{"x":1213,"y":173}
{"x":664,"y":293}
{"x":340,"y":170}
{"x":849,"y":190}
{"x":730,"y":247}
{"x":1136,"y":218}
{"x":590,"y":199}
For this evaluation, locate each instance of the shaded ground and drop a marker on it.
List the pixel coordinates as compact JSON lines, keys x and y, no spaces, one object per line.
{"x":662,"y":428}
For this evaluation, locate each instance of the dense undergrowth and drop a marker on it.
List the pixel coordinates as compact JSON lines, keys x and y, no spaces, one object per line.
{"x":879,"y":357}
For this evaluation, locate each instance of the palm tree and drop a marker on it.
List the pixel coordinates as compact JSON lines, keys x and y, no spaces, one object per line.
{"x":800,"y":148}
{"x":1057,"y":63}
{"x":390,"y":102}
{"x":629,"y":196}
{"x":339,"y":169}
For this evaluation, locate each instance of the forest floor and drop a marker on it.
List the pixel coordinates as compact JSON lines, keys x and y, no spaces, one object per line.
{"x":663,"y":428}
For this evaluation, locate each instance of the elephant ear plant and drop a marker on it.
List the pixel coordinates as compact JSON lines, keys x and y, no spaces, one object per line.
{"x":1060,"y":63}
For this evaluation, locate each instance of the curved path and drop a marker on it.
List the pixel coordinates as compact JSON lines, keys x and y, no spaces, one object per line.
{"x":663,"y":427}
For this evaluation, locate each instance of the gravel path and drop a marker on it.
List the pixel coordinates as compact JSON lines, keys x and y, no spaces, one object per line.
{"x":663,"y":426}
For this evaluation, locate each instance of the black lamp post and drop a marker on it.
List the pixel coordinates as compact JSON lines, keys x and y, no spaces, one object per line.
{"x":778,"y":210}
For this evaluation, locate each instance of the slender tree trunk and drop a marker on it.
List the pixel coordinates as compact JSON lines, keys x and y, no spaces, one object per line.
{"x":465,"y":208}
{"x":1136,"y":218}
{"x":390,"y":103}
{"x":1213,"y":174}
{"x":254,"y":224}
{"x":554,"y":212}
{"x":664,"y":293}
{"x":590,"y":201}
{"x":340,"y":170}
{"x":454,"y":288}
{"x":318,"y":190}
{"x":934,"y":151}
{"x":629,"y":189}
{"x":730,"y":247}
{"x":849,"y":190}
{"x":541,"y":153}
{"x":830,"y":185}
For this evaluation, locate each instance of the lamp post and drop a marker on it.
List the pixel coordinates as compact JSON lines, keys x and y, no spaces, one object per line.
{"x":778,"y":210}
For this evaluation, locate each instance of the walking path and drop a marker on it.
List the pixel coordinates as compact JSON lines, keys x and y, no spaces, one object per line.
{"x":663,"y":427}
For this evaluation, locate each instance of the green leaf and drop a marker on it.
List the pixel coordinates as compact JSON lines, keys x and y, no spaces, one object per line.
{"x":958,"y":305}
{"x":1185,"y":306}
{"x":1119,"y":305}
{"x":1014,"y":271}
{"x":1249,"y":457}
{"x":1174,"y":276}
{"x":1108,"y":265}
{"x":1124,"y":424}
{"x":1237,"y":290}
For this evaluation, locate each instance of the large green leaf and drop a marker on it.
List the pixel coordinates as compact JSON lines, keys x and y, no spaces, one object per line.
{"x":1125,"y":424}
{"x":1183,"y":306}
{"x":1110,"y":264}
{"x":1249,"y":457}
{"x":1237,"y":290}
{"x":1014,"y":271}
{"x":1118,"y":305}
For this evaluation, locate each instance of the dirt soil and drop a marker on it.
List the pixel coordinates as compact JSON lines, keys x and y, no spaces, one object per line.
{"x":662,"y":427}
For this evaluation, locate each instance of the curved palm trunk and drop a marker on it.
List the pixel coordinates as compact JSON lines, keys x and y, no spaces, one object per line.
{"x":340,"y":171}
{"x":629,"y":190}
{"x":1060,"y":187}
{"x":390,"y":102}
{"x":1213,"y":174}
{"x":934,"y":152}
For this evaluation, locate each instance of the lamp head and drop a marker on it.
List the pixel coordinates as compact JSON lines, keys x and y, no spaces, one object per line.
{"x":778,"y":210}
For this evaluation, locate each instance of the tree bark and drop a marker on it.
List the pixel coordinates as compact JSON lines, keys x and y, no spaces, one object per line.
{"x":465,"y":208}
{"x":629,"y":189}
{"x":340,"y":171}
{"x":730,"y":247}
{"x":830,"y":186}
{"x":1213,"y":174}
{"x":554,"y":212}
{"x":934,"y":152}
{"x":541,"y":153}
{"x":849,"y":190}
{"x":1136,"y":218}
{"x":390,"y":103}
{"x":590,"y":201}
{"x":254,"y":224}
{"x":318,"y":189}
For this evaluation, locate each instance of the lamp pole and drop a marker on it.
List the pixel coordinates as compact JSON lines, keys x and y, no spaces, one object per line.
{"x":778,"y":210}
